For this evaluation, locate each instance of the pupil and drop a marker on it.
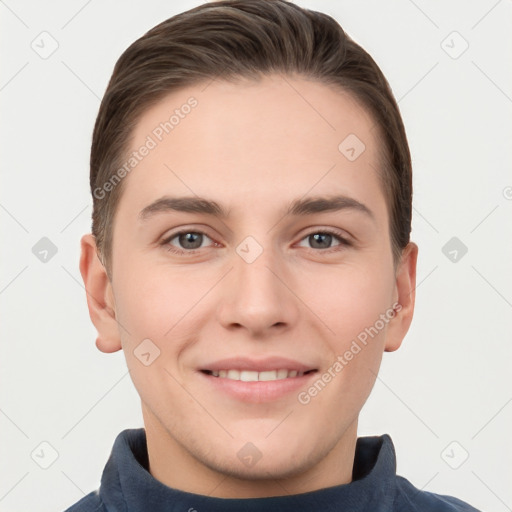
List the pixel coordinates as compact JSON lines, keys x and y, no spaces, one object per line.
{"x":191,"y":240}
{"x":320,"y":240}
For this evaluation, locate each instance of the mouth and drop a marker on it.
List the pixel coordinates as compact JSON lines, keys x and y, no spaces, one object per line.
{"x":256,"y":380}
{"x":258,"y":376}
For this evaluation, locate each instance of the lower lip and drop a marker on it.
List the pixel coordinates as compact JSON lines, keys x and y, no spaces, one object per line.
{"x":259,"y":391}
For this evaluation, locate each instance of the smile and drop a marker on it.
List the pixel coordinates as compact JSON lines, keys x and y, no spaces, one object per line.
{"x":255,"y":376}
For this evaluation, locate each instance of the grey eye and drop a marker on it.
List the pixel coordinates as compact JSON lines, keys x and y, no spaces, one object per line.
{"x":320,"y":240}
{"x":189,"y":240}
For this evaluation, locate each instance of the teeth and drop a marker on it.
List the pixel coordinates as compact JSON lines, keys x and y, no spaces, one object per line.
{"x":272,"y":375}
{"x":254,"y":376}
{"x":282,"y":374}
{"x":248,"y":376}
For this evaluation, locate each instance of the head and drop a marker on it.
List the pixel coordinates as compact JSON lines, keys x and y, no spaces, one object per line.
{"x":251,"y":184}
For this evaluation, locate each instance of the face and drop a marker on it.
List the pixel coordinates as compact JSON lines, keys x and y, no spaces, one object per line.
{"x":252,"y":242}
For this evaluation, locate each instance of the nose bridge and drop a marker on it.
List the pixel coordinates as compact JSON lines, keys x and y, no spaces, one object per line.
{"x":256,"y":281}
{"x":257,"y":299}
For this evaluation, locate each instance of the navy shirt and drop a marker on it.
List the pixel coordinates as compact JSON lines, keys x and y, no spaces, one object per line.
{"x":127,"y":486}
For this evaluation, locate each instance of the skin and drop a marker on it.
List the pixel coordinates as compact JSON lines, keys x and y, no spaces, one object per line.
{"x":253,"y":147}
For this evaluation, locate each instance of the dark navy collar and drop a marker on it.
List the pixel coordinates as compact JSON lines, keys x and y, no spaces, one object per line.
{"x":127,"y":480}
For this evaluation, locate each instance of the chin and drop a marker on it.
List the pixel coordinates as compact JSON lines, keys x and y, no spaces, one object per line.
{"x":270,"y":467}
{"x":258,"y":458}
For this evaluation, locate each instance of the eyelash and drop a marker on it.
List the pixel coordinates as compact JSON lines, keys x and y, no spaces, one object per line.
{"x":343,"y":242}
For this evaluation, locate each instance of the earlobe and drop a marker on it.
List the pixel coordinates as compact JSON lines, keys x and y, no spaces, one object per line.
{"x":405,"y":298}
{"x":100,"y":297}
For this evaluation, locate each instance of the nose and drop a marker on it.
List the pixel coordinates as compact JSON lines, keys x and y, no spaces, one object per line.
{"x":258,"y":297}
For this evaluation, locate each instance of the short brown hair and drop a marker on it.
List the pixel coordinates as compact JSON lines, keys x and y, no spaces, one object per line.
{"x":231,"y":39}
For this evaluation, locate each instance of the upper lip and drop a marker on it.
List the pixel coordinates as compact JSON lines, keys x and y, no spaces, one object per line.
{"x":259,"y":365}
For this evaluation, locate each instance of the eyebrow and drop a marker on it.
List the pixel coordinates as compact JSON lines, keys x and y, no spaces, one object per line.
{"x":312,"y":205}
{"x":182,"y":204}
{"x":302,"y":207}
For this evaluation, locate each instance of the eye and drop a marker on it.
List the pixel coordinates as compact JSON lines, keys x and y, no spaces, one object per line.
{"x":186,"y":241}
{"x":324,"y":240}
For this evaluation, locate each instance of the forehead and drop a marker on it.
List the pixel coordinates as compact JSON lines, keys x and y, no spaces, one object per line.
{"x":286,"y":133}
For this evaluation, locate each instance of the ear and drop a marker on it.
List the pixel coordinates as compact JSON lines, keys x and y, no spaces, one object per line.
{"x":100,"y":297}
{"x":405,"y":295}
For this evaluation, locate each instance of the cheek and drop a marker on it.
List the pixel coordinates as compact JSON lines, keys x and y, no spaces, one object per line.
{"x":350,"y":299}
{"x":350,"y":302}
{"x":152,"y":300}
{"x":160,"y":313}
{"x":358,"y":308}
{"x":163,"y":306}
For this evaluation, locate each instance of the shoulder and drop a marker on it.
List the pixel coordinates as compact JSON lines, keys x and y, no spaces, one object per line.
{"x":89,"y":503}
{"x":409,"y":498}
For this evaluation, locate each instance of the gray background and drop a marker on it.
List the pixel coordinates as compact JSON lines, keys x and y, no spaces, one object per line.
{"x":443,"y":396}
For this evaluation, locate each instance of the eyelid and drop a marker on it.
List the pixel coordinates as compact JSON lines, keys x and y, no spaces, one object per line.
{"x":341,"y":235}
{"x":182,"y":230}
{"x":343,"y":243}
{"x":165,"y":241}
